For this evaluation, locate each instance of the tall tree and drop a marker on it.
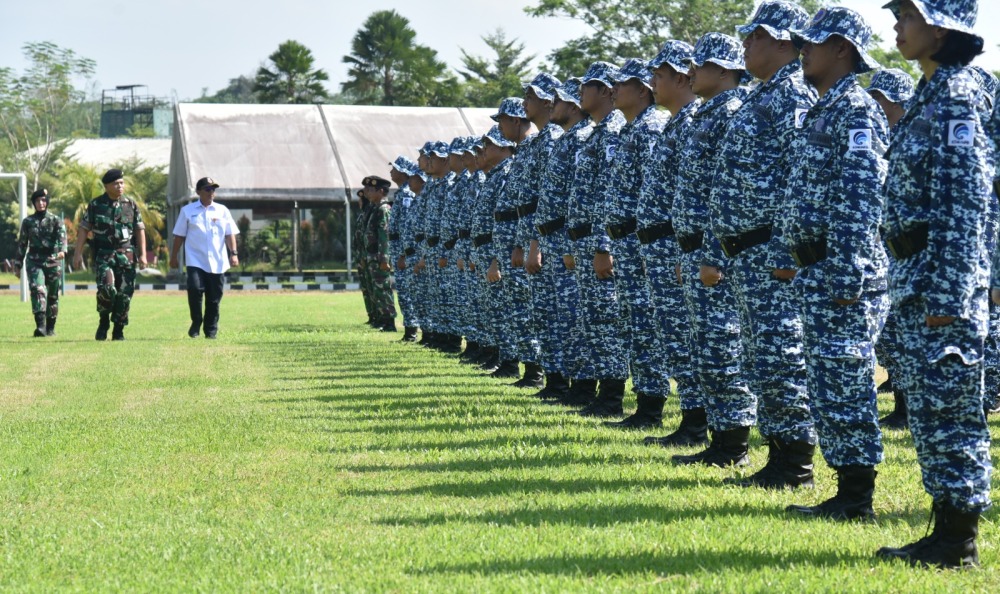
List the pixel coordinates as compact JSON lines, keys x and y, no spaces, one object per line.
{"x":34,"y":104}
{"x":625,"y":29}
{"x":290,"y":78}
{"x":487,"y":80}
{"x":388,"y":66}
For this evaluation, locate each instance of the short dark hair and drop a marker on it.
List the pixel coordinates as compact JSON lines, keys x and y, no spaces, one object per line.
{"x":959,"y":49}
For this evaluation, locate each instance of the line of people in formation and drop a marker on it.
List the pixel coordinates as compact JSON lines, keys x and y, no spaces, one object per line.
{"x":756,"y":242}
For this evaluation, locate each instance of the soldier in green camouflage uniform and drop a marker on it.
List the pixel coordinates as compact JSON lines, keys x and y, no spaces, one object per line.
{"x":119,"y":242}
{"x":377,"y":253}
{"x":360,"y":254}
{"x":43,"y":240}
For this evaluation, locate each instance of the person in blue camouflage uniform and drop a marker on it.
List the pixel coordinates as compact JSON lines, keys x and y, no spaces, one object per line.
{"x":41,"y":247}
{"x":434,"y":196}
{"x":449,"y":222}
{"x":600,"y":317}
{"x":530,"y":165}
{"x":481,"y":236}
{"x":994,"y":407}
{"x":378,"y":258}
{"x":892,"y":89}
{"x":402,"y":170}
{"x":633,"y":97}
{"x":830,"y":225}
{"x":416,"y":238}
{"x":715,"y":69}
{"x":937,"y":195}
{"x":509,"y":285}
{"x":661,"y":254}
{"x":559,"y":342}
{"x":747,"y":195}
{"x":408,"y":242}
{"x":118,"y":244}
{"x":468,"y":192}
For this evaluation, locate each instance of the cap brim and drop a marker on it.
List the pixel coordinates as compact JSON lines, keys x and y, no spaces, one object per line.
{"x":539,"y":92}
{"x":746,"y":30}
{"x":933,"y":19}
{"x":817,"y":36}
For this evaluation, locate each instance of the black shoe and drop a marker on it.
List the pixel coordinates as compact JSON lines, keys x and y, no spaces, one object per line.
{"x":102,"y":328}
{"x":950,"y":545}
{"x":50,"y":326}
{"x":648,"y":414}
{"x":609,"y":400}
{"x":898,"y":418}
{"x":409,"y":334}
{"x":581,"y":393}
{"x":425,"y":337}
{"x":886,"y":386}
{"x":194,"y":330}
{"x":490,"y":359}
{"x":507,"y":369}
{"x":789,"y":465}
{"x":389,"y":325}
{"x":692,"y":431}
{"x":210,"y":335}
{"x":556,"y":387}
{"x":470,"y":354}
{"x":727,"y":448}
{"x":533,"y":377}
{"x":118,"y":333}
{"x":853,"y":501}
{"x":40,"y":325}
{"x":452,"y":344}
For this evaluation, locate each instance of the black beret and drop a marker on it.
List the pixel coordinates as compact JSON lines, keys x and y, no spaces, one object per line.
{"x":361,"y":193}
{"x":40,"y":193}
{"x":112,"y":175}
{"x":379,"y":183}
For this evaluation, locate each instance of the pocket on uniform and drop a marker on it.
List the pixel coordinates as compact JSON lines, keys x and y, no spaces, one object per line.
{"x":845,"y":349}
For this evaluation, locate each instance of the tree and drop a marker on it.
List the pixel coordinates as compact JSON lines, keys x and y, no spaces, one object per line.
{"x":291,"y":77}
{"x":239,"y":90}
{"x":34,"y":104}
{"x":637,"y":28}
{"x":388,"y":67}
{"x":488,"y":82}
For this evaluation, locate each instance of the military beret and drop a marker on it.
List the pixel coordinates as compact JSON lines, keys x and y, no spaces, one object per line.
{"x":112,"y":175}
{"x":40,"y":193}
{"x":379,"y":183}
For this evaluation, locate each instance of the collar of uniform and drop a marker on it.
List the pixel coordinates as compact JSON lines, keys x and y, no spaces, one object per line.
{"x":684,"y":114}
{"x":783,"y":73}
{"x":717,"y":101}
{"x":836,"y":92}
{"x":607,"y":119}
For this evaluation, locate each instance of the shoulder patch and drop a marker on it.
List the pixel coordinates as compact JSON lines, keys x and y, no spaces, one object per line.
{"x":800,"y":116}
{"x":860,"y":139}
{"x":961,"y":133}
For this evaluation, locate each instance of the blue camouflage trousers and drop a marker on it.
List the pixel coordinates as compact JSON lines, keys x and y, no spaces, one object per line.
{"x":772,"y":347}
{"x":498,"y":309}
{"x":647,"y":362}
{"x":405,"y":296}
{"x":840,"y":371}
{"x":517,"y":317}
{"x":601,"y":327}
{"x":660,"y":259}
{"x":482,"y":314}
{"x":448,"y":300}
{"x":991,"y":370}
{"x":558,"y":316}
{"x":716,"y":348}
{"x":942,"y":375}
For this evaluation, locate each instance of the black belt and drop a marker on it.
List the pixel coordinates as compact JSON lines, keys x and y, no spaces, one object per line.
{"x":654,"y":232}
{"x":433,"y":241}
{"x":482,"y":239}
{"x":450,"y":244}
{"x":809,"y":253}
{"x":464,"y":233}
{"x":690,"y":243}
{"x":735,"y":244}
{"x":527,"y":209}
{"x":580,"y":231}
{"x":908,"y":243}
{"x":505,"y":216}
{"x":551,"y":226}
{"x":393,"y":236}
{"x":622,"y":230}
{"x":419,"y":237}
{"x":410,"y":251}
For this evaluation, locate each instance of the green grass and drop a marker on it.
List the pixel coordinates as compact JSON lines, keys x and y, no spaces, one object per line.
{"x":303,"y":452}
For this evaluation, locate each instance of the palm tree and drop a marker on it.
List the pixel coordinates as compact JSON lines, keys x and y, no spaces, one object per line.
{"x":291,"y":78}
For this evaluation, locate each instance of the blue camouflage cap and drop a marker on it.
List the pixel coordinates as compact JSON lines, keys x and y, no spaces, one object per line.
{"x":637,"y":69}
{"x":675,"y":53}
{"x":720,"y":49}
{"x":569,"y":91}
{"x":426,"y":149}
{"x":405,"y":165}
{"x":896,"y":85}
{"x":457,"y":145}
{"x":602,"y":72}
{"x":987,"y":82}
{"x":439,"y":148}
{"x":511,"y":106}
{"x":956,"y":15}
{"x":843,"y":22}
{"x":497,"y":138}
{"x":544,"y":85}
{"x":778,"y":17}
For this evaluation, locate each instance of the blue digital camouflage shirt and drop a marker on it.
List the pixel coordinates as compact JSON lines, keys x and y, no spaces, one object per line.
{"x":593,"y":176}
{"x":659,"y":172}
{"x":749,"y":188}
{"x":452,"y":217}
{"x":834,"y":191}
{"x":482,"y":216}
{"x":401,"y":205}
{"x":940,"y":173}
{"x":638,"y":142}
{"x":469,"y":198}
{"x":534,"y":155}
{"x":557,"y":182}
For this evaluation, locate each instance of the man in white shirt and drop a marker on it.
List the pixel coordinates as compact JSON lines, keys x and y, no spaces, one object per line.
{"x":207,"y":231}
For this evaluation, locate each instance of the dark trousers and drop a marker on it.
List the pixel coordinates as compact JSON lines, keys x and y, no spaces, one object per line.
{"x":199,"y":283}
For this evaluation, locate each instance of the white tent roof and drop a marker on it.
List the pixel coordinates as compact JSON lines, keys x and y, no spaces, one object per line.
{"x":101,"y":153}
{"x":308,"y":153}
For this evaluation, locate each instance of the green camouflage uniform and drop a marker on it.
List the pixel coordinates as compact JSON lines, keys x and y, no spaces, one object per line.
{"x":361,"y":257}
{"x":377,"y":254}
{"x":113,"y":224}
{"x":42,"y":236}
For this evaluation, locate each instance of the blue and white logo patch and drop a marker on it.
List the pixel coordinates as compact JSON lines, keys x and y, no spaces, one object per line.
{"x":800,"y":116}
{"x":609,"y":153}
{"x":860,"y":139}
{"x":961,"y":133}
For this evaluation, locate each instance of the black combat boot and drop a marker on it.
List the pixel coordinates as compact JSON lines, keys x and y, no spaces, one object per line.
{"x":118,"y":332}
{"x":556,"y":387}
{"x":470,"y":353}
{"x":102,"y":327}
{"x":581,"y":393}
{"x":50,"y":326}
{"x":886,"y":386}
{"x":452,"y":344}
{"x":950,"y":545}
{"x":727,"y":448}
{"x":692,"y":431}
{"x":388,"y":325}
{"x":425,"y":337}
{"x":609,"y":400}
{"x":409,"y":334}
{"x":897,"y":419}
{"x":533,"y":377}
{"x":648,"y":414}
{"x":490,"y":359}
{"x":507,"y":369}
{"x":40,"y":325}
{"x":194,"y":330}
{"x":853,"y":501}
{"x":789,"y":465}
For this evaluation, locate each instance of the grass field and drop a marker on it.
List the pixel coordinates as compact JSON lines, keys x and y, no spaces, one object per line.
{"x":303,"y":452}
